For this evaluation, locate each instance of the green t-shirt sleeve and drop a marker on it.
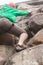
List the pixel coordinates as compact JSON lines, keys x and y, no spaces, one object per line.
{"x":22,"y":12}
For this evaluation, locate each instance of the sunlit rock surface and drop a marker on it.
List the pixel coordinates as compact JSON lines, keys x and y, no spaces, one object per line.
{"x":33,"y":56}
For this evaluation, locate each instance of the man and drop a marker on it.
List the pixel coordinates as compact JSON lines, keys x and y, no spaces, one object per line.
{"x":7,"y":19}
{"x":7,"y":26}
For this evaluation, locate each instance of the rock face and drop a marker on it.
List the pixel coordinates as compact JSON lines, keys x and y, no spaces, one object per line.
{"x":6,"y":47}
{"x":39,"y":36}
{"x":7,"y":39}
{"x":33,"y":56}
{"x":5,"y":53}
{"x":37,"y":39}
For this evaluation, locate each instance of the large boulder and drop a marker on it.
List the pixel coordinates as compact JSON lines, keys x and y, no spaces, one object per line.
{"x":5,"y":53}
{"x":7,"y":39}
{"x":32,"y":56}
{"x":37,"y":39}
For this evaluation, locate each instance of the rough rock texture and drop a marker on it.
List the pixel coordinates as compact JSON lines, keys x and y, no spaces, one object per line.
{"x":5,"y":53}
{"x":7,"y":47}
{"x":7,"y":39}
{"x":32,"y":56}
{"x":37,"y":39}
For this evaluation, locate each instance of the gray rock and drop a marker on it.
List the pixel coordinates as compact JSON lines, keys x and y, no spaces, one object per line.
{"x":5,"y":53}
{"x":32,"y":56}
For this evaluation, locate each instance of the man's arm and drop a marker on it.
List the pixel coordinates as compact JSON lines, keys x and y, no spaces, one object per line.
{"x":22,"y":12}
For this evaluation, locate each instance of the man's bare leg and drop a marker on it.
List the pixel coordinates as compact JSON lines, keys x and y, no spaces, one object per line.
{"x":22,"y":34}
{"x":23,"y":37}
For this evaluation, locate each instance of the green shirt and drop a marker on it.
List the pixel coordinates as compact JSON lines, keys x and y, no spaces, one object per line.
{"x":12,"y":13}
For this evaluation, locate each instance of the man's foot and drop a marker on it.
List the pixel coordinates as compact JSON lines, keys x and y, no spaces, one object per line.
{"x":20,"y":47}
